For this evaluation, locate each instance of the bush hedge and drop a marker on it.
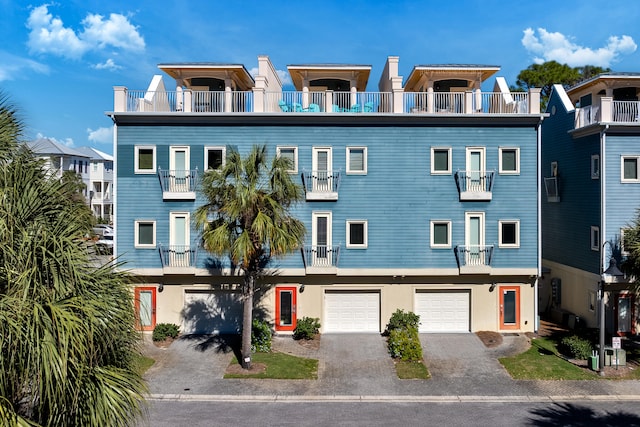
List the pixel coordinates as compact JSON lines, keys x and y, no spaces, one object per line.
{"x":260,"y":336}
{"x":401,"y":319}
{"x":162,"y":331}
{"x":575,"y":347}
{"x":306,"y":328}
{"x":404,"y":344}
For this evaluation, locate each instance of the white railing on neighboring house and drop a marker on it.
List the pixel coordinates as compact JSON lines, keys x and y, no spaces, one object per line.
{"x":626,"y":111}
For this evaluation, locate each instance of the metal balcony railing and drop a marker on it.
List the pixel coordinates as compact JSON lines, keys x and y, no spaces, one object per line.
{"x":178,"y":255}
{"x":321,"y":184}
{"x":178,"y":181}
{"x":320,"y":255}
{"x":475,"y":185}
{"x":473,"y":255}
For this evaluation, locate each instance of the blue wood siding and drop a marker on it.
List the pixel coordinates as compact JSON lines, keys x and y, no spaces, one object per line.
{"x":622,"y":199}
{"x":398,"y":196}
{"x":566,"y":225}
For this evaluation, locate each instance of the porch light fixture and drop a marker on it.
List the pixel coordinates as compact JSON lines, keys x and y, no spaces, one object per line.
{"x":301,"y":288}
{"x":492,"y":287}
{"x":160,"y":287}
{"x":611,"y":272}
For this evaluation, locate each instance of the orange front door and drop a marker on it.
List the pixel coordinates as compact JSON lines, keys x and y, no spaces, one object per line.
{"x":145,"y":302}
{"x":286,"y":308}
{"x":509,"y":307}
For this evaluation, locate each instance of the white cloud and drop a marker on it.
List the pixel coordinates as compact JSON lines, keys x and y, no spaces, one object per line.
{"x":101,"y":135}
{"x":548,"y":46}
{"x":49,"y":35}
{"x":67,"y":141}
{"x":284,"y":75}
{"x":107,"y":65}
{"x":13,"y":67}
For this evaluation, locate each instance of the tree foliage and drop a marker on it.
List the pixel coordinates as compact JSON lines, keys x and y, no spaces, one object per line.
{"x":67,"y":337}
{"x":545,"y":75}
{"x":631,"y":244}
{"x":247,"y":217}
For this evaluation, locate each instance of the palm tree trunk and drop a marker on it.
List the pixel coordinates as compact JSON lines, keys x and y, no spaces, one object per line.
{"x":247,"y":321}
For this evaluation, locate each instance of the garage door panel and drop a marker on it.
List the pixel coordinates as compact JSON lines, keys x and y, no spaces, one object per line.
{"x":352,"y":312}
{"x":443,"y":311}
{"x":207,"y":312}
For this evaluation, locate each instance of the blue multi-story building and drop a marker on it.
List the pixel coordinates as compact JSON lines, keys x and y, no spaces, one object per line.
{"x":422,"y":196}
{"x":590,"y":155}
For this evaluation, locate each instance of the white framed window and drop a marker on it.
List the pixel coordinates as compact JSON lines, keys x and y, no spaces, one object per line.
{"x":440,"y":234}
{"x":592,"y":301}
{"x":629,"y":168}
{"x":357,"y":233}
{"x":357,"y":160}
{"x":595,"y":166}
{"x":290,"y":153}
{"x":509,"y":233}
{"x":145,"y":234}
{"x":440,"y":160}
{"x":624,"y":250}
{"x":145,"y":159}
{"x":595,"y":238}
{"x":214,"y":157}
{"x":509,"y":160}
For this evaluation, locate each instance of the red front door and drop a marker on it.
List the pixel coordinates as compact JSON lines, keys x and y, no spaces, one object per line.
{"x":145,"y":302}
{"x":509,"y":307}
{"x":286,"y":308}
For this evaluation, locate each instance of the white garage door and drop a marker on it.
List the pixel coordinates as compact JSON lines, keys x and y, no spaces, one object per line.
{"x":351,"y":312}
{"x":443,"y":311}
{"x":208,"y":312}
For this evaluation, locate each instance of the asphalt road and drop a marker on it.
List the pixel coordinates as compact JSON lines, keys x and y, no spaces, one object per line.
{"x":393,"y":413}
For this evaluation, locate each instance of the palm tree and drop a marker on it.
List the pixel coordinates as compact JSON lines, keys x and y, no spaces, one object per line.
{"x":247,"y":217}
{"x":68,"y":345}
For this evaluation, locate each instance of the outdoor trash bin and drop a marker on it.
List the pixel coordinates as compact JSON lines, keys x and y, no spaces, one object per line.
{"x":593,"y":363}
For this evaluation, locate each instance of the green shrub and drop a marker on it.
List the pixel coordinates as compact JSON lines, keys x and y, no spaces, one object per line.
{"x":401,"y":320}
{"x":162,"y":331}
{"x":260,"y":336}
{"x":404,"y":343}
{"x":306,"y":328}
{"x":575,"y":347}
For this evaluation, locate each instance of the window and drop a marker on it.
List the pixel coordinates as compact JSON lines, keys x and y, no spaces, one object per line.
{"x":595,"y":166}
{"x":214,"y":157}
{"x":145,"y":159}
{"x":357,"y":160}
{"x":94,"y":166}
{"x":592,"y":301}
{"x":595,"y":238}
{"x":440,"y":234}
{"x":630,"y":168}
{"x":509,"y":233}
{"x":356,"y":234}
{"x":290,"y":153}
{"x":624,"y":251}
{"x":145,"y":234}
{"x":440,"y":160}
{"x":509,"y":160}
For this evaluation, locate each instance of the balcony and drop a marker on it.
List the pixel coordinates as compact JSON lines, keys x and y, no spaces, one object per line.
{"x":474,"y":259}
{"x":321,"y":185}
{"x":178,"y":259}
{"x":320,"y":259}
{"x":475,"y":186}
{"x":178,"y":184}
{"x":609,"y":111}
{"x":322,"y":102}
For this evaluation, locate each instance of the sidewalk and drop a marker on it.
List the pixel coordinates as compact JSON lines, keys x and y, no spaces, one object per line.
{"x":358,"y":367}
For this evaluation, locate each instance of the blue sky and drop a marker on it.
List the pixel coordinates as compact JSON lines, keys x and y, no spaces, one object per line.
{"x":59,"y":61}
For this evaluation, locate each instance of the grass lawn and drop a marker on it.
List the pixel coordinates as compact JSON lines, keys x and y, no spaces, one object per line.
{"x":280,"y":366}
{"x":541,"y":362}
{"x":144,"y":363}
{"x":411,"y":370}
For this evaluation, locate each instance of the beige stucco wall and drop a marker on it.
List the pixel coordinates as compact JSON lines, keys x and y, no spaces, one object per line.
{"x":484,"y":303}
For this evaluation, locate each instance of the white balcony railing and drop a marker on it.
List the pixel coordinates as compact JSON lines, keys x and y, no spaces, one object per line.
{"x":475,"y":185}
{"x":626,"y":111}
{"x":321,"y":255}
{"x":473,"y":255}
{"x":608,"y":111}
{"x":326,"y":102}
{"x":321,"y":185}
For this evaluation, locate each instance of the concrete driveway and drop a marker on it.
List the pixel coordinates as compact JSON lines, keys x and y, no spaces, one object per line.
{"x":349,"y":364}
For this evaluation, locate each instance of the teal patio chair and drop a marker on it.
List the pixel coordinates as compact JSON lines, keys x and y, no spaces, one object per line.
{"x":368,"y":107}
{"x":286,"y":108}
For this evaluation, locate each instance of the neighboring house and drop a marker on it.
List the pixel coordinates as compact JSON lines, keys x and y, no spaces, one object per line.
{"x":591,"y":175}
{"x":100,"y":182}
{"x":60,"y":158}
{"x":420,"y":196}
